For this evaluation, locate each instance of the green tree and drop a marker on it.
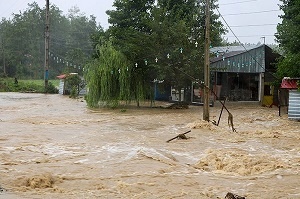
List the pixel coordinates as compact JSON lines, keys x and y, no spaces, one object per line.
{"x":108,"y":77}
{"x":72,"y":83}
{"x":79,"y":43}
{"x":288,"y":37}
{"x":161,"y":37}
{"x":59,"y":33}
{"x":22,"y":42}
{"x":130,"y":34}
{"x":4,"y":70}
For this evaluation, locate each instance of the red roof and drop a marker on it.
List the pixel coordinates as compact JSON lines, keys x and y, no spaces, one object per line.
{"x":289,"y":83}
{"x":62,"y":76}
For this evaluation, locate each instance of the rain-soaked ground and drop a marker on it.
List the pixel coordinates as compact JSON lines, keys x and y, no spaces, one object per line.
{"x":52,"y":146}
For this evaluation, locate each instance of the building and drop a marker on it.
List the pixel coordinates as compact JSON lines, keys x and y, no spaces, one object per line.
{"x":62,"y":78}
{"x":290,"y":96}
{"x":244,"y":74}
{"x":64,"y":88}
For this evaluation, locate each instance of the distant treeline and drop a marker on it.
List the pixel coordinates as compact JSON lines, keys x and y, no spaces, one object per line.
{"x":22,"y":42}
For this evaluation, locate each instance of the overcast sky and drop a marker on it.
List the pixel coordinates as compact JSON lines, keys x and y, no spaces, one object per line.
{"x":251,"y":27}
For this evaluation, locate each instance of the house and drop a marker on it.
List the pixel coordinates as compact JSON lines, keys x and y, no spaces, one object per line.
{"x":244,"y":73}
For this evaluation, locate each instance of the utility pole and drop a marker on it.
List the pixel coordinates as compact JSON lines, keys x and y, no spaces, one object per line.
{"x":47,"y":38}
{"x":206,"y":63}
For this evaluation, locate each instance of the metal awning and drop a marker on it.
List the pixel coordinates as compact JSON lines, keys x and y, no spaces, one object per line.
{"x":289,"y":83}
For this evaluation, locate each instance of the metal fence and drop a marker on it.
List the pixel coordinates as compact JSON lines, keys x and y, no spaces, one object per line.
{"x":294,"y":105}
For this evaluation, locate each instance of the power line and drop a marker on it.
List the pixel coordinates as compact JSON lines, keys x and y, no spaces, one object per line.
{"x":232,"y":3}
{"x":251,"y":36}
{"x":64,"y":61}
{"x":254,"y":25}
{"x":247,"y":13}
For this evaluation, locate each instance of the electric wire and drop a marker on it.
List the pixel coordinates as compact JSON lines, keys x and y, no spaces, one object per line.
{"x":250,"y":36}
{"x":64,"y":60}
{"x":253,"y":25}
{"x":247,"y":13}
{"x":239,"y":2}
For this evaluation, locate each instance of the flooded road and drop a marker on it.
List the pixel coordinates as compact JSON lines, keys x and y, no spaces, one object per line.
{"x":52,"y":146}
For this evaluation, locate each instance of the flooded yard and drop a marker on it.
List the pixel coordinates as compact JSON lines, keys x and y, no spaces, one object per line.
{"x":52,"y":146}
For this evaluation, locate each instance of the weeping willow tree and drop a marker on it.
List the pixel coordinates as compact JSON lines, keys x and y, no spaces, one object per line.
{"x":111,"y":78}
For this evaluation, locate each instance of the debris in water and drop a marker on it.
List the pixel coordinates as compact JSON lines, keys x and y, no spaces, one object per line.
{"x":2,"y":189}
{"x":233,"y":196}
{"x":176,"y":105}
{"x":230,"y":122}
{"x":180,"y":136}
{"x":40,"y":181}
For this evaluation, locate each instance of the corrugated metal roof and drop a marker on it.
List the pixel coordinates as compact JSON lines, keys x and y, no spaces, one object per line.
{"x":226,"y":55}
{"x":289,"y":83}
{"x":294,"y":105}
{"x":227,"y":49}
{"x":237,"y":59}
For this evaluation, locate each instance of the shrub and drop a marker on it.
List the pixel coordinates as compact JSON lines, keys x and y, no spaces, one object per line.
{"x":51,"y":89}
{"x":74,"y":84}
{"x":74,"y":92}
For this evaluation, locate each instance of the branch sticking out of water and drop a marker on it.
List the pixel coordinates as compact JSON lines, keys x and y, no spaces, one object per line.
{"x":181,"y":136}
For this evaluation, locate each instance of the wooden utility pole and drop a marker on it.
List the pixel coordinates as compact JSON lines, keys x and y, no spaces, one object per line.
{"x":206,"y":63}
{"x":47,"y":38}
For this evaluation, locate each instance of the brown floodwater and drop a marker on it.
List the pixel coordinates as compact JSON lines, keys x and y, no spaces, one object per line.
{"x":52,"y":146}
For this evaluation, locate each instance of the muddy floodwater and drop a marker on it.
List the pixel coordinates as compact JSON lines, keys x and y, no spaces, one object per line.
{"x":52,"y":146}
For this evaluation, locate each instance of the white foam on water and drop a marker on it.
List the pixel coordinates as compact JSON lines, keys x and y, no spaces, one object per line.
{"x":81,"y":161}
{"x":126,"y":151}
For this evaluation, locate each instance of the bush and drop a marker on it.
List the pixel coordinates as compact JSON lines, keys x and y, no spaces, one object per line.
{"x":74,"y":92}
{"x":51,"y":89}
{"x":29,"y":88}
{"x":74,"y":84}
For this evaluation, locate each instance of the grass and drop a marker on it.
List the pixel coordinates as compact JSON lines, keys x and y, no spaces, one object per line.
{"x":9,"y":85}
{"x":40,"y":82}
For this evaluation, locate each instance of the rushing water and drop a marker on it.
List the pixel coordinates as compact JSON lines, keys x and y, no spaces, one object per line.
{"x":52,"y":146}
